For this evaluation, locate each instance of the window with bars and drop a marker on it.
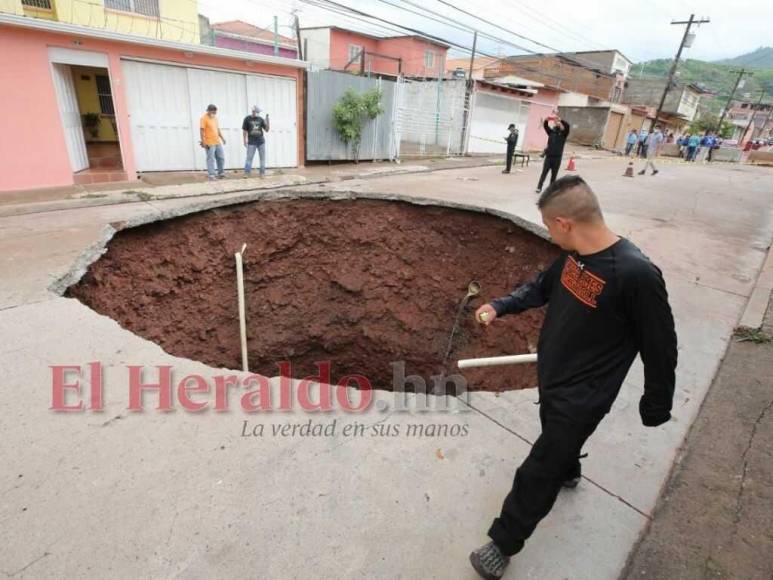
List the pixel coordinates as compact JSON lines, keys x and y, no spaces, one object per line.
{"x":429,"y":59}
{"x":354,"y":52}
{"x":144,"y":7}
{"x":45,"y":4}
{"x":105,"y":95}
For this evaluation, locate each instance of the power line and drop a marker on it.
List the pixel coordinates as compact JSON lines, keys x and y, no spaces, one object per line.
{"x":592,"y":66}
{"x":456,"y":24}
{"x":341,"y":9}
{"x":498,"y":26}
{"x":542,"y":18}
{"x":453,"y":23}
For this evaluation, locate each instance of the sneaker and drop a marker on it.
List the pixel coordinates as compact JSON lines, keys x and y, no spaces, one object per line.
{"x":221,"y":175}
{"x":642,"y":172}
{"x":574,"y":475}
{"x":489,"y":561}
{"x":211,"y":177}
{"x":655,"y":172}
{"x":571,"y":483}
{"x":505,"y":171}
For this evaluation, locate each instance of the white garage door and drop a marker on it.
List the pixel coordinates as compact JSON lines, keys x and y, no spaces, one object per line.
{"x":166,"y":102}
{"x":490,"y":117}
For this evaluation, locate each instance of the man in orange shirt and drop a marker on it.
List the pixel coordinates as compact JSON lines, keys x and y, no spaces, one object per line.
{"x":212,"y":141}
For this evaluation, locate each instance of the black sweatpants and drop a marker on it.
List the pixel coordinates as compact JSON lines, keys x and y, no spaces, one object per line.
{"x":510,"y":153}
{"x":554,"y":458}
{"x":551,"y":164}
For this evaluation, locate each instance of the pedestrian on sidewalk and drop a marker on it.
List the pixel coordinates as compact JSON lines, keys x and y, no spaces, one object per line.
{"x":682,"y":142}
{"x":557,"y":130}
{"x":212,"y":141}
{"x":693,"y":143}
{"x":512,"y":141}
{"x":253,"y":128}
{"x":640,"y":148}
{"x":630,"y":141}
{"x":606,"y":303}
{"x":654,"y":140}
{"x":710,"y":144}
{"x":700,"y":154}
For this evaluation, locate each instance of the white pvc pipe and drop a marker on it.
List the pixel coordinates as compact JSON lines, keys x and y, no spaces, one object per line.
{"x":242,"y":316}
{"x":493,"y":361}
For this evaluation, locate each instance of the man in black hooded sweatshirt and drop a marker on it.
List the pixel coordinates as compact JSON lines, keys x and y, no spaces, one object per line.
{"x":606,"y":303}
{"x":557,"y":130}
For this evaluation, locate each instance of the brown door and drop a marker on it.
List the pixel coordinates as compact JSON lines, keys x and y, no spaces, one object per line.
{"x":612,"y":134}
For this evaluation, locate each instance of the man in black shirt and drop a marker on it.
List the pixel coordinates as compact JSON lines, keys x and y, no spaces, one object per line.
{"x":606,"y":303}
{"x":253,"y":128}
{"x":557,"y":130}
{"x":512,"y":141}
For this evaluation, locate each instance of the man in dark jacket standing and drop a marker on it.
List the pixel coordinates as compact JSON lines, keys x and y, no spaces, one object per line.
{"x":557,"y":130}
{"x":607,"y":302}
{"x":512,"y":141}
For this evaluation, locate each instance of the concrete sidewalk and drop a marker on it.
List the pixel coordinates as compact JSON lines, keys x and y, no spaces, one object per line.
{"x":127,"y":495}
{"x":166,"y":185}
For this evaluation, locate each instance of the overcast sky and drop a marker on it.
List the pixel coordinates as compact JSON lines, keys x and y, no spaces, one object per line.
{"x":641,"y":30}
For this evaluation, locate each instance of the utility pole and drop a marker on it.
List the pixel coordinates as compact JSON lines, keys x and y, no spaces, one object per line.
{"x":298,"y":37}
{"x":751,"y":117}
{"x":468,"y":96}
{"x":472,"y":56}
{"x":741,"y":74}
{"x":276,"y":36}
{"x":671,"y":73}
{"x":765,"y":124}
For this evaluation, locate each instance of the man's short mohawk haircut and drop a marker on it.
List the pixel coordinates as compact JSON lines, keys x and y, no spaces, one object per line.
{"x":582,"y":207}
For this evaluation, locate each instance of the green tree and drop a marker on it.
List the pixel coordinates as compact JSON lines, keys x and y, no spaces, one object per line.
{"x":350,"y":114}
{"x":708,"y":122}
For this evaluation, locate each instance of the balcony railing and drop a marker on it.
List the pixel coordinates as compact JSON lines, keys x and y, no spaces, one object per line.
{"x":144,"y":7}
{"x":44,"y":4}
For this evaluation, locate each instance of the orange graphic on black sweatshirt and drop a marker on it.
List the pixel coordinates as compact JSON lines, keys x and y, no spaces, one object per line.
{"x":583,"y":285}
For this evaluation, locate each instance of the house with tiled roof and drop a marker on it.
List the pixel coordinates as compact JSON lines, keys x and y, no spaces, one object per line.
{"x":240,"y":35}
{"x":335,"y":48}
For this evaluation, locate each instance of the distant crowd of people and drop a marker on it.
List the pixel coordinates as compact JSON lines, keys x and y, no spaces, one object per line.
{"x":692,"y":146}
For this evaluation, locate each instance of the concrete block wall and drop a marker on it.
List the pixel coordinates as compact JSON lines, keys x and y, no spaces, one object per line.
{"x":587,"y":123}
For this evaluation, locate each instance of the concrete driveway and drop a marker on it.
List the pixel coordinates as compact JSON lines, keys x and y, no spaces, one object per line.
{"x":119,"y":494}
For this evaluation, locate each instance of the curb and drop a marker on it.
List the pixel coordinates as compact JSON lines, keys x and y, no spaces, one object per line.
{"x":84,"y":202}
{"x":754,"y":311}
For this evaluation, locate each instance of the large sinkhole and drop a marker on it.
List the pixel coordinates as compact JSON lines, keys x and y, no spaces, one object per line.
{"x":360,"y":283}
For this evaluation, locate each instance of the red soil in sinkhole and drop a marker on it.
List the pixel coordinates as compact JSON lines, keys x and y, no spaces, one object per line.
{"x":360,"y":283}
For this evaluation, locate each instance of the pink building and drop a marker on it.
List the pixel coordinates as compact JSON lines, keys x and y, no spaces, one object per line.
{"x":336,"y":48}
{"x":152,"y":94}
{"x":542,"y":104}
{"x":539,"y":98}
{"x":238,"y":35}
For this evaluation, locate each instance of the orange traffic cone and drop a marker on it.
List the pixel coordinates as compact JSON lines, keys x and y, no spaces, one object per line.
{"x":570,"y":166}
{"x":629,"y":170}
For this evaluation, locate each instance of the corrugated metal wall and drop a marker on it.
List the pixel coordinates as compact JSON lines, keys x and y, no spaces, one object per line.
{"x":324,"y":89}
{"x":430,"y":116}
